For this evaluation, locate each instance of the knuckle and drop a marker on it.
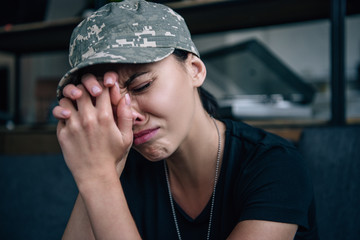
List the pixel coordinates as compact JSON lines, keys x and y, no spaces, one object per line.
{"x":73,"y":127}
{"x":105,"y":117}
{"x":88,"y":122}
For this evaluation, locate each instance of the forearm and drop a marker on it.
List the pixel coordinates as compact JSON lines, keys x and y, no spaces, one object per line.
{"x":107,"y":209}
{"x":93,"y":142}
{"x":79,"y":226}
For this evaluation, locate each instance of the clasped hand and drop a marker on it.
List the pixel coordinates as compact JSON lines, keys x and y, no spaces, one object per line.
{"x":95,"y":127}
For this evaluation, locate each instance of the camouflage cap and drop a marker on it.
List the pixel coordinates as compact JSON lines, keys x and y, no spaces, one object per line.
{"x":131,"y":31}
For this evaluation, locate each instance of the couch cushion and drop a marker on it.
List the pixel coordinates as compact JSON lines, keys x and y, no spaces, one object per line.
{"x":37,"y":195}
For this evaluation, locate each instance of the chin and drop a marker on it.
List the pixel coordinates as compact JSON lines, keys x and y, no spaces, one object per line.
{"x":153,"y":154}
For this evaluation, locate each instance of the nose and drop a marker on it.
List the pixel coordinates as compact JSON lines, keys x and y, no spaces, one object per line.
{"x":138,"y":115}
{"x":138,"y":118}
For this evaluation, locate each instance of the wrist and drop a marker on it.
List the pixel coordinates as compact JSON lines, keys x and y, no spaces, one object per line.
{"x":97,"y":181}
{"x":107,"y":208}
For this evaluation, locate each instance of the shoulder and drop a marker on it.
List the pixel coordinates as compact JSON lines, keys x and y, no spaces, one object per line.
{"x":253,"y":135}
{"x":246,"y":144}
{"x":268,"y":173}
{"x":250,"y":150}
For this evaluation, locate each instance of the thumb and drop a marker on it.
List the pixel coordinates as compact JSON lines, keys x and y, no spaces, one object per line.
{"x":124,"y":117}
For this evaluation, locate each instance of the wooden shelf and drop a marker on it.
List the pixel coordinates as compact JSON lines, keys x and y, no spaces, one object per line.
{"x":38,"y":36}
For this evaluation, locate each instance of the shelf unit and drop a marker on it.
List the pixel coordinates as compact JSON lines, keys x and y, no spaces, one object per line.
{"x":203,"y":16}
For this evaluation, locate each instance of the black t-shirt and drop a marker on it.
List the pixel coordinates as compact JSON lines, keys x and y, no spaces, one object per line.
{"x":262,"y":177}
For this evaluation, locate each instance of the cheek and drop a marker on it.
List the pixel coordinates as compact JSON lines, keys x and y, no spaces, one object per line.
{"x":170,"y":100}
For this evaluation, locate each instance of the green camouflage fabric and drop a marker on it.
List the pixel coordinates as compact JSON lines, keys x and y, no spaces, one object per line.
{"x":131,"y":31}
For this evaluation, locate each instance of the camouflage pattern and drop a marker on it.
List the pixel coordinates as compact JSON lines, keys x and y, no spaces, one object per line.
{"x":132,"y":31}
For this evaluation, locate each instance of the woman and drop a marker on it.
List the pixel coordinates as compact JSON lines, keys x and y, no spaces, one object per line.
{"x":130,"y":108}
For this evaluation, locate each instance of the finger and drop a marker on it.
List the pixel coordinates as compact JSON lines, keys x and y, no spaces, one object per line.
{"x":68,"y":104}
{"x":115,"y":94}
{"x":103,"y":103}
{"x":110,"y":78}
{"x":61,"y":113}
{"x":61,"y":124}
{"x":91,"y":84}
{"x":85,"y":102}
{"x":124,"y":117}
{"x":64,"y":110}
{"x":72,"y":92}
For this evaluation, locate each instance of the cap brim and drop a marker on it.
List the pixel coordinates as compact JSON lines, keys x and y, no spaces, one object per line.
{"x":129,"y":55}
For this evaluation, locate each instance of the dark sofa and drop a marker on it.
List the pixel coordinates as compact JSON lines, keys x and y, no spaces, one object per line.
{"x":37,"y":193}
{"x":333,"y":158}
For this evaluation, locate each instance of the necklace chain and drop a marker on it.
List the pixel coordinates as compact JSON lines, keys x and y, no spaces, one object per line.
{"x":213,"y":194}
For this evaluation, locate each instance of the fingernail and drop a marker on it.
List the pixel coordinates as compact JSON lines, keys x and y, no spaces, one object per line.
{"x":95,"y":90}
{"x":108,"y":80}
{"x":74,"y":92}
{"x":127,"y":99}
{"x":65,"y":113}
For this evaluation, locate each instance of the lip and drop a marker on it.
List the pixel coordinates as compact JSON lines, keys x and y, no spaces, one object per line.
{"x":144,"y":136}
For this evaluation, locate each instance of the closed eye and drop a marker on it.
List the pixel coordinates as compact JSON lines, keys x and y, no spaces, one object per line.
{"x":142,"y":87}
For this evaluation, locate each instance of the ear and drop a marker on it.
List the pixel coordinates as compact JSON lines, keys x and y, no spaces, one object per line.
{"x":197,"y":70}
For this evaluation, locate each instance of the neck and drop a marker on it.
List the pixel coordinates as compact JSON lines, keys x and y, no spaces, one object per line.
{"x":196,"y":157}
{"x":192,"y":167}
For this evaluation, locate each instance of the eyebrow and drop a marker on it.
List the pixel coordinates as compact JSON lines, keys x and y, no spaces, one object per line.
{"x":132,"y":78}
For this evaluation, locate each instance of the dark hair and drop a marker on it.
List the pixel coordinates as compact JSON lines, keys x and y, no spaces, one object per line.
{"x":207,"y":99}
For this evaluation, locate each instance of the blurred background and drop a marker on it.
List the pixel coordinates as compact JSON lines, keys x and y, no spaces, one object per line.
{"x":283,"y":65}
{"x":242,"y":40}
{"x":239,"y":41}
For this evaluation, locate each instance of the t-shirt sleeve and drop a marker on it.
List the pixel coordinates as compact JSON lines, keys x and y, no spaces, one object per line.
{"x":275,"y":186}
